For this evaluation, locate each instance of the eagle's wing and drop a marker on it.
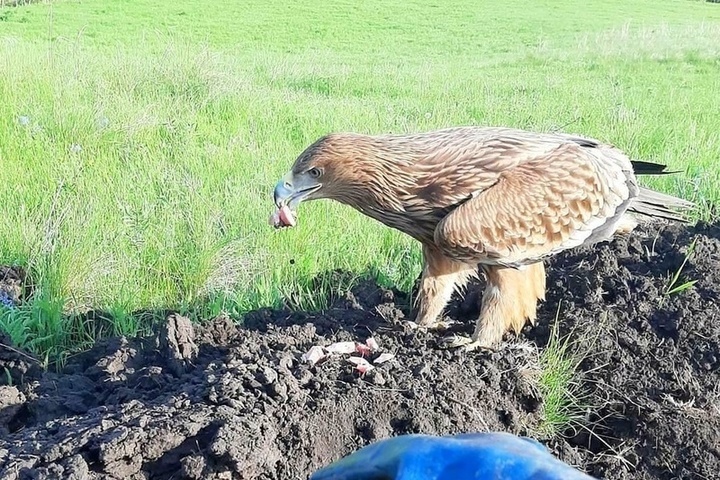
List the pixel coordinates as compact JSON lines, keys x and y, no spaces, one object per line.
{"x":568,"y":195}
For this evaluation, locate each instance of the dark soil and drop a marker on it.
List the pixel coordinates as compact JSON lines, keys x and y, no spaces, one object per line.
{"x":220,"y":401}
{"x":12,"y":280}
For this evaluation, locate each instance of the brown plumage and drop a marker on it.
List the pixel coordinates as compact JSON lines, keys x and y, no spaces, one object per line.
{"x":501,"y":198}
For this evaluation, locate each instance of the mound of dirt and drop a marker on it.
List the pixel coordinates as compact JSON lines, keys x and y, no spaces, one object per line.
{"x":218,"y":401}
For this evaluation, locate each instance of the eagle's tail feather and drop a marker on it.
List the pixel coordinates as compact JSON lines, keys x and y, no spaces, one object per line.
{"x":656,"y":204}
{"x":650,"y":168}
{"x":660,"y":205}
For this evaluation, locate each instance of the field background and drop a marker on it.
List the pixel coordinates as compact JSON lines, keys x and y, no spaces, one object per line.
{"x":140,"y":141}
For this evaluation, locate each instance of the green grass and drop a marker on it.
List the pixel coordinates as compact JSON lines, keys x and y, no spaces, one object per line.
{"x":565,"y":399}
{"x":140,"y":141}
{"x":677,"y":282}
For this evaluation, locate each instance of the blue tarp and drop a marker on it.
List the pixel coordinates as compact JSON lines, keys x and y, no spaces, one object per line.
{"x":490,"y":456}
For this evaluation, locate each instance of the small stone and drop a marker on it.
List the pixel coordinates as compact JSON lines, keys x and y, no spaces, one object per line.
{"x":376,"y":377}
{"x":267,"y":375}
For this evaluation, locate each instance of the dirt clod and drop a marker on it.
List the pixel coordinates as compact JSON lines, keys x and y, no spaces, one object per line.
{"x":11,"y":403}
{"x":12,"y":285}
{"x":217,"y":401}
{"x":16,"y":366}
{"x":177,"y":342}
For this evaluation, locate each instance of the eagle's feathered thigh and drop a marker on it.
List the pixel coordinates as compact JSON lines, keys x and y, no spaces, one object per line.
{"x":499,"y":198}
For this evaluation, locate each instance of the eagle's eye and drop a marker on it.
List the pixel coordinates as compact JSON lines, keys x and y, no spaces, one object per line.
{"x":314,"y":172}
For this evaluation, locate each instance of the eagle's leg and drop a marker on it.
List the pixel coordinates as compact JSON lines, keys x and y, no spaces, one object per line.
{"x":440,"y":277}
{"x":508,"y":303}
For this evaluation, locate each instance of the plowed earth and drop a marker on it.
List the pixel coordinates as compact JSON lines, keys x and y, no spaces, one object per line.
{"x":222,"y":401}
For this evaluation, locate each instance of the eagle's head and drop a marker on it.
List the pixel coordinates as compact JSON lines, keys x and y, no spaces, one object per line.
{"x":340,"y":167}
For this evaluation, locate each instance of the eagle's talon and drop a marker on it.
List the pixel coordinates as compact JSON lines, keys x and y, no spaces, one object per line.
{"x":410,"y":324}
{"x":441,"y":325}
{"x":462,"y":343}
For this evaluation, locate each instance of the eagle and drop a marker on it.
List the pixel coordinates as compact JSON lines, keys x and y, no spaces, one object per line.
{"x":495,"y":201}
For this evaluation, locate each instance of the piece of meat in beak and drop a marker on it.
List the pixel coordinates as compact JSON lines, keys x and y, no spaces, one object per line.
{"x":283,"y":217}
{"x":288,"y":194}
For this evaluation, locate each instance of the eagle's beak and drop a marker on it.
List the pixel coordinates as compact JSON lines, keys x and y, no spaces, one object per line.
{"x":290,"y":191}
{"x":283,"y":191}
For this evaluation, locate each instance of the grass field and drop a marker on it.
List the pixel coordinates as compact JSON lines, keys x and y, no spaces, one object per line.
{"x":140,"y":141}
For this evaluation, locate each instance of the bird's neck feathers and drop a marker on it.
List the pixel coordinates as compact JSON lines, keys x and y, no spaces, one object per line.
{"x":381,"y":181}
{"x":373,"y":175}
